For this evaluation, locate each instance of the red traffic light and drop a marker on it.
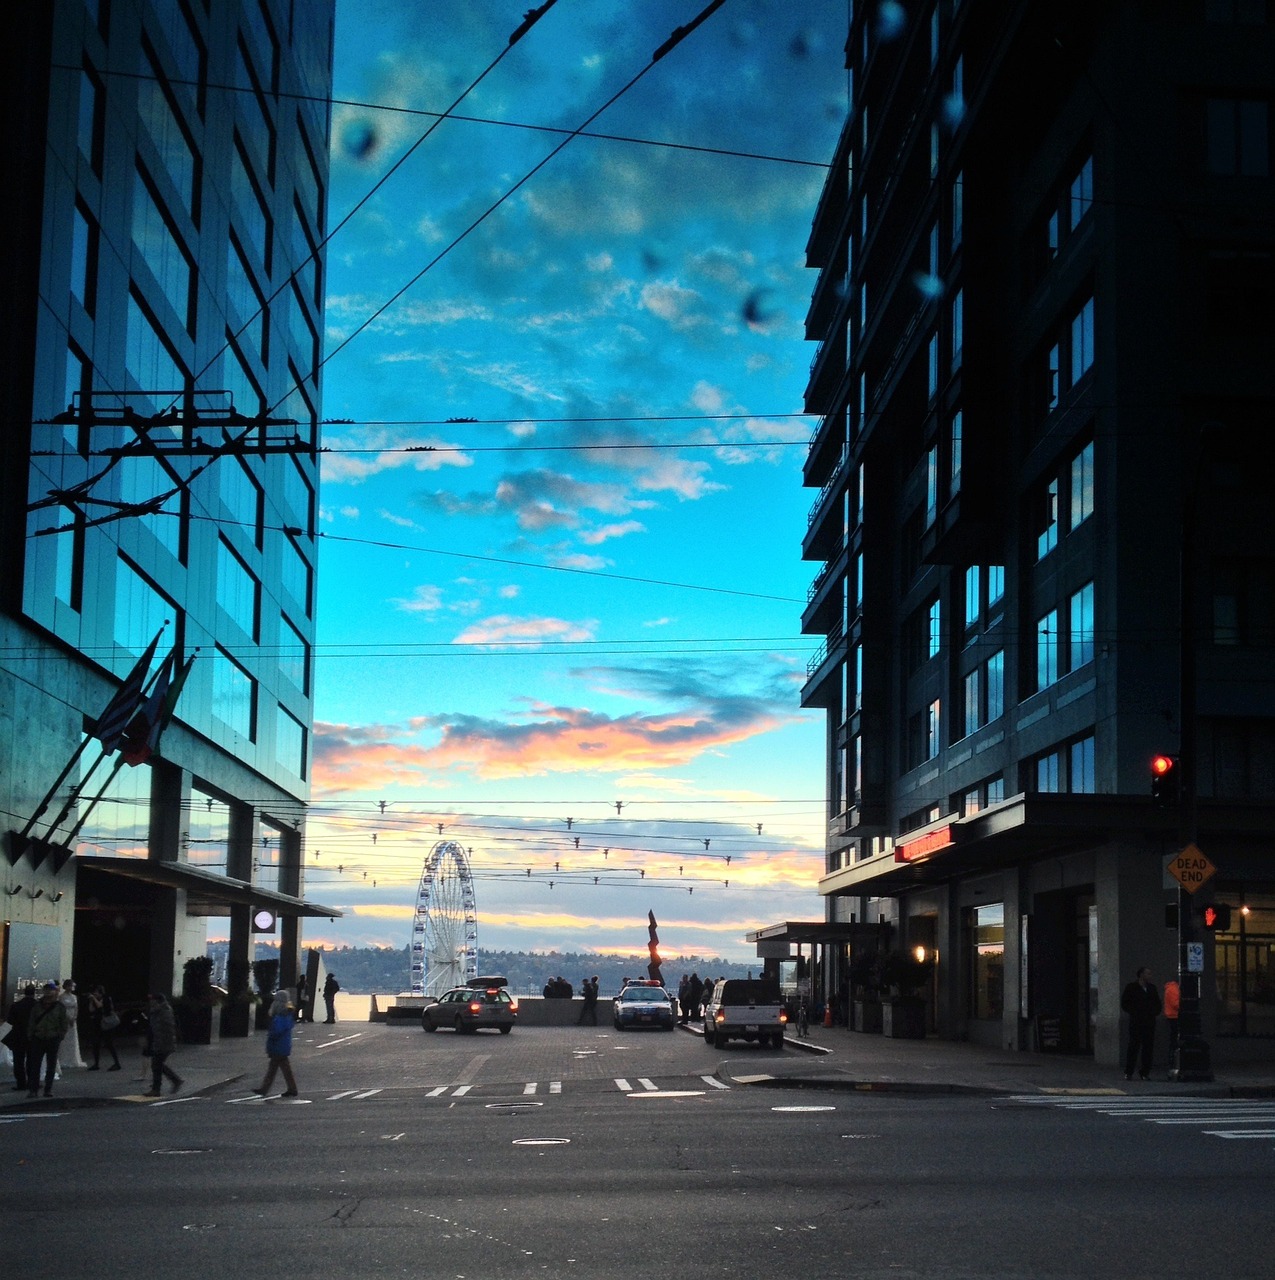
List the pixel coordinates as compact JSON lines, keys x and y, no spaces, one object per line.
{"x":1162,"y":765}
{"x":1164,"y":780}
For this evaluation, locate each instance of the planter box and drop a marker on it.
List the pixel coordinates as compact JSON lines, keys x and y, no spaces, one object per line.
{"x":868,"y":1016}
{"x":904,"y":1018}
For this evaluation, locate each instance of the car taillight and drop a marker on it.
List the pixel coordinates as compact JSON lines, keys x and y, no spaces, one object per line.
{"x":783,"y":1016}
{"x":513,"y":1004}
{"x":720,"y":1016}
{"x":475,"y":1006}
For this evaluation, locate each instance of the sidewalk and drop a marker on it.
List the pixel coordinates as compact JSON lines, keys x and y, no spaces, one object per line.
{"x":836,"y":1058}
{"x":831,"y":1058}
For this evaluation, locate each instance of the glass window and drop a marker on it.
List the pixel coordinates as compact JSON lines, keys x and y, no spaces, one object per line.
{"x":1082,"y":490}
{"x":973,"y":701}
{"x":958,"y":209}
{"x":1081,"y":194}
{"x":987,"y":961}
{"x":208,"y":831}
{"x":289,"y":743}
{"x":148,"y":360}
{"x":1082,"y":627}
{"x":1047,"y":538}
{"x":1048,"y":778}
{"x":140,"y":613}
{"x":1082,"y":341}
{"x":160,"y":119}
{"x":162,"y":251}
{"x":1047,"y":650}
{"x":934,"y":365}
{"x":91,"y":122}
{"x":958,"y":325}
{"x":296,"y":574}
{"x":144,"y":479}
{"x":84,"y":241}
{"x":1081,"y":780}
{"x":931,"y":485}
{"x":973,"y":595}
{"x":955,"y":429}
{"x":995,"y":682}
{"x":995,"y":583}
{"x":1053,"y":376}
{"x":252,"y":209}
{"x":234,"y":696}
{"x":249,"y":309}
{"x":932,"y":730}
{"x":935,"y":627}
{"x":240,"y":494}
{"x":237,"y":590}
{"x":1237,"y":141}
{"x":996,"y":790}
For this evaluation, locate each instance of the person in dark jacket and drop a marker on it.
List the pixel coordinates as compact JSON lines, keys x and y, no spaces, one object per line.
{"x":46,"y":1028}
{"x":1141,"y":1001}
{"x":330,"y":988}
{"x":16,"y":1041}
{"x":103,"y":1021}
{"x":279,"y":1046}
{"x":161,"y":1035}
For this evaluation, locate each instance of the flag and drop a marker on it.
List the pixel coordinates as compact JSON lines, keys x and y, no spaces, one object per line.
{"x":112,"y":723}
{"x":147,"y":726}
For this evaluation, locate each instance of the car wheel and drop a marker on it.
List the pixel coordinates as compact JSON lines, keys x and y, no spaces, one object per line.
{"x":616,"y":1022}
{"x":777,"y":1040}
{"x":426,"y":1024}
{"x":459,"y":1024}
{"x":504,"y":1031}
{"x":710,"y":1037}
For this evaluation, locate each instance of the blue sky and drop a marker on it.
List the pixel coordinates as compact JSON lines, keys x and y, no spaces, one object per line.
{"x":591,"y":593}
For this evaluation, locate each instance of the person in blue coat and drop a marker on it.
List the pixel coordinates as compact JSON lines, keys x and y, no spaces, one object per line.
{"x":279,"y":1045}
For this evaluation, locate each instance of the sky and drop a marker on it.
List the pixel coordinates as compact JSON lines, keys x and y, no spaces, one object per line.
{"x":561,"y":511}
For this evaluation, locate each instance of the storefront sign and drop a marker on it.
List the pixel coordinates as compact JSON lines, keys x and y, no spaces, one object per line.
{"x":924,"y":846}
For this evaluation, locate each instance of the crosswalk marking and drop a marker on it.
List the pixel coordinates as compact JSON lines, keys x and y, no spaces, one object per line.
{"x":1236,"y":1119}
{"x":649,"y":1085}
{"x":436,"y":1092}
{"x":641,"y":1085}
{"x":623,"y":1085}
{"x":555,"y":1086}
{"x":528,"y":1089}
{"x":715,"y":1082}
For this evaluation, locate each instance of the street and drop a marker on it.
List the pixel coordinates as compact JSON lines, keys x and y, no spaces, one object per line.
{"x":591,"y":1152}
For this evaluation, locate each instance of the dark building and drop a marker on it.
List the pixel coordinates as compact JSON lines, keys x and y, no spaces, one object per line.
{"x":166,"y":169}
{"x":1046,"y":378}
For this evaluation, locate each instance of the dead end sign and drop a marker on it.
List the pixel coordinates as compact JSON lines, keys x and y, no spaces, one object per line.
{"x":1191,"y":868}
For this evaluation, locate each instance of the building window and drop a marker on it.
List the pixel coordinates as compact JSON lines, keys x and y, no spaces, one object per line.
{"x":1081,"y":640}
{"x":238,"y":592}
{"x":162,"y":252}
{"x":289,"y":743}
{"x":935,"y":621}
{"x":1080,"y":199}
{"x":1047,"y":650}
{"x":955,"y":429}
{"x":240,"y":495}
{"x":91,"y":123}
{"x":1048,"y":773}
{"x":148,"y":360}
{"x":1251,"y":13}
{"x":958,"y":326}
{"x":163,"y":124}
{"x":933,"y":730}
{"x":296,"y":574}
{"x":1082,"y":773}
{"x":986,"y":961}
{"x":973,"y":701}
{"x":1047,"y":535}
{"x":931,"y":485}
{"x":140,"y":612}
{"x":1237,"y":137}
{"x":958,"y":210}
{"x":1082,"y":486}
{"x":994,"y":682}
{"x":84,"y":246}
{"x":234,"y":696}
{"x":294,"y":657}
{"x":995,"y":584}
{"x":1243,"y":602}
{"x":973,"y":595}
{"x":933,"y":366}
{"x":1082,"y":341}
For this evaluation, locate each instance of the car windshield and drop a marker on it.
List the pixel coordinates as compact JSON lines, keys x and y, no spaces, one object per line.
{"x":644,"y":995}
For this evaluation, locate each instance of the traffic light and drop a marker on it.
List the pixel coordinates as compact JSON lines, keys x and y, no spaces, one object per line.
{"x":1216,"y":917}
{"x":1164,"y":781}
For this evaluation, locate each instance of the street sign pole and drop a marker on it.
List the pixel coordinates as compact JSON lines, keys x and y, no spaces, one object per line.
{"x":1193,"y":1061}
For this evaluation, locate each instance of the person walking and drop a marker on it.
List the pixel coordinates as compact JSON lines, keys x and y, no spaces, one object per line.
{"x":696,"y":994}
{"x":683,"y":999}
{"x":45,"y":1031}
{"x":1141,"y":1001}
{"x":103,"y":1022}
{"x":16,"y":1041}
{"x":279,"y":1046}
{"x":161,"y":1034}
{"x":301,"y":1011}
{"x":589,"y":1009}
{"x":330,"y":988}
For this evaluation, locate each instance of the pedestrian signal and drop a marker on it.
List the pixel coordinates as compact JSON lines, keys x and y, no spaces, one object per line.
{"x":1216,"y":917}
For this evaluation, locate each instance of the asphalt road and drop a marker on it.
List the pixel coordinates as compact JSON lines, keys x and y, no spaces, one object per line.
{"x":555,"y":1152}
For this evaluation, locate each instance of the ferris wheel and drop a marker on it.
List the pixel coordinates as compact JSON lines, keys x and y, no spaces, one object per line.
{"x":445,"y":926}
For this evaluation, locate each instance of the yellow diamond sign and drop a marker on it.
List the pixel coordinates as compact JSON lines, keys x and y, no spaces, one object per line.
{"x":1191,"y":868}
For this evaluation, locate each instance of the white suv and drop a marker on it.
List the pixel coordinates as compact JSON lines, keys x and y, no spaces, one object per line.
{"x":745,"y":1009}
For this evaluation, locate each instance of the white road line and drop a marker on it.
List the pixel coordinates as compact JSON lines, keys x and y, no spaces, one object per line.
{"x":649,"y":1085}
{"x":438,"y":1091}
{"x":330,"y":1044}
{"x":623,"y":1085}
{"x":555,"y":1086}
{"x":367,"y":1093}
{"x":715,"y":1082}
{"x":462,"y":1091}
{"x":528,"y":1089}
{"x":346,"y":1093}
{"x":1240,"y":1133}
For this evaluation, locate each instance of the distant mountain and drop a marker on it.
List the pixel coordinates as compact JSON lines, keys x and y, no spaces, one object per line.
{"x":386,"y":970}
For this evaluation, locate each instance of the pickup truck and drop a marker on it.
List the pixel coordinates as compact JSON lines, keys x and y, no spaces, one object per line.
{"x":745,"y":1009}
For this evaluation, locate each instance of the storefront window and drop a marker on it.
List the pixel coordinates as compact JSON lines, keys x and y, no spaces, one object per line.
{"x":1245,"y":956}
{"x":986,"y":934}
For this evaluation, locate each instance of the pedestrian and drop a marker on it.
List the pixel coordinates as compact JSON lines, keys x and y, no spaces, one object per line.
{"x":69,"y":1054}
{"x":279,"y":1045}
{"x":684,"y":999}
{"x":16,"y":1041}
{"x":301,"y":1012}
{"x":1172,"y":1004}
{"x":161,"y":1039}
{"x":1141,"y":1001}
{"x":45,"y":1030}
{"x":696,"y":994}
{"x":589,"y":1009}
{"x":103,"y":1023}
{"x":330,"y":988}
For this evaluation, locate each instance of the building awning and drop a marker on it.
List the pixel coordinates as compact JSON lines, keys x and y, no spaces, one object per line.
{"x":818,"y":932}
{"x":207,"y":893}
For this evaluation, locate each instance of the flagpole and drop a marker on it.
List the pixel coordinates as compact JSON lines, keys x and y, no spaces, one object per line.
{"x":62,"y":777}
{"x":92,"y":804}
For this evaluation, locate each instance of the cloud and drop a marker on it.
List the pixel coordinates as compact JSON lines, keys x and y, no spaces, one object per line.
{"x":352,"y":455}
{"x":505,"y":628}
{"x":604,"y":533}
{"x":425,"y":599}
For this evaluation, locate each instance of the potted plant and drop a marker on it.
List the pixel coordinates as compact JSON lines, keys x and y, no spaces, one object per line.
{"x":865,"y":981}
{"x":236,"y":1017}
{"x":903,"y":1013}
{"x":194,"y":1007}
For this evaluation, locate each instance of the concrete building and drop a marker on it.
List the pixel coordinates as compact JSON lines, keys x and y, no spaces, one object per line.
{"x":1045,"y":318}
{"x":167,"y":172}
